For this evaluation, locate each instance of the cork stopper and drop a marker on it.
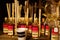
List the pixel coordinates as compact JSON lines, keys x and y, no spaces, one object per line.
{"x":5,"y":18}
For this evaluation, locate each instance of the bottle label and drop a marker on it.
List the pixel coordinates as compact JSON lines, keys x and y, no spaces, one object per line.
{"x":23,"y":26}
{"x":47,"y":30}
{"x":54,"y":35}
{"x":5,"y":28}
{"x":42,"y":29}
{"x":10,"y":30}
{"x":54,"y":31}
{"x":30,"y":28}
{"x":35,"y":31}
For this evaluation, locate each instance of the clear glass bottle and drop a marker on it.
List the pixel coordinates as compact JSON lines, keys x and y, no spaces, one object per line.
{"x":5,"y":26}
{"x":43,"y":27}
{"x":54,"y":32}
{"x":11,"y":28}
{"x":29,"y":29}
{"x":47,"y":28}
{"x":35,"y":30}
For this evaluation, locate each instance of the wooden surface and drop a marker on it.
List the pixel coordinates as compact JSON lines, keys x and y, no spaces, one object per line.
{"x":6,"y":37}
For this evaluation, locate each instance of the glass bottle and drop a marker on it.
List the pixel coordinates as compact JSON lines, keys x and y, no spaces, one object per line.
{"x":43,"y":27}
{"x":29,"y":29}
{"x":10,"y":27}
{"x":54,"y":32}
{"x":47,"y":28}
{"x":35,"y":30}
{"x":5,"y":26}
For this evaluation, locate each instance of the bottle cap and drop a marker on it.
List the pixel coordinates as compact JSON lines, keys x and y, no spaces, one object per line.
{"x":5,"y":18}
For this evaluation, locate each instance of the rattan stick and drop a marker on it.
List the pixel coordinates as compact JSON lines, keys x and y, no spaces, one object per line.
{"x":39,"y":20}
{"x":8,"y":9}
{"x":20,"y":8}
{"x":34,"y":17}
{"x":15,"y":16}
{"x":57,"y":11}
{"x":13,"y":10}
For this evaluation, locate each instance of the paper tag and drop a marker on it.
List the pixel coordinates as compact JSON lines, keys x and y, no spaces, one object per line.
{"x":55,"y":29}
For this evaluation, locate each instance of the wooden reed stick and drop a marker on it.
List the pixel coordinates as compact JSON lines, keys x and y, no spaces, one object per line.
{"x":20,"y":9}
{"x":26,"y":12}
{"x":25,"y":8}
{"x":13,"y":10}
{"x":8,"y":9}
{"x":39,"y":21}
{"x":57,"y":11}
{"x":27,"y":15}
{"x":34,"y":17}
{"x":15,"y":16}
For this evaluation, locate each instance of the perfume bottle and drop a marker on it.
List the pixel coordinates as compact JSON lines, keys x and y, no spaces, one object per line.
{"x":29,"y":32}
{"x":47,"y":29}
{"x":43,"y":28}
{"x":54,"y":32}
{"x":10,"y":27}
{"x":35,"y":30}
{"x":5,"y":26}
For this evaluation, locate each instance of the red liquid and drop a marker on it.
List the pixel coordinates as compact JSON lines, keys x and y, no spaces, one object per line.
{"x":10,"y":29}
{"x":47,"y":30}
{"x":5,"y":28}
{"x":30,"y":28}
{"x":21,"y":26}
{"x":35,"y":31}
{"x":42,"y":30}
{"x":54,"y":35}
